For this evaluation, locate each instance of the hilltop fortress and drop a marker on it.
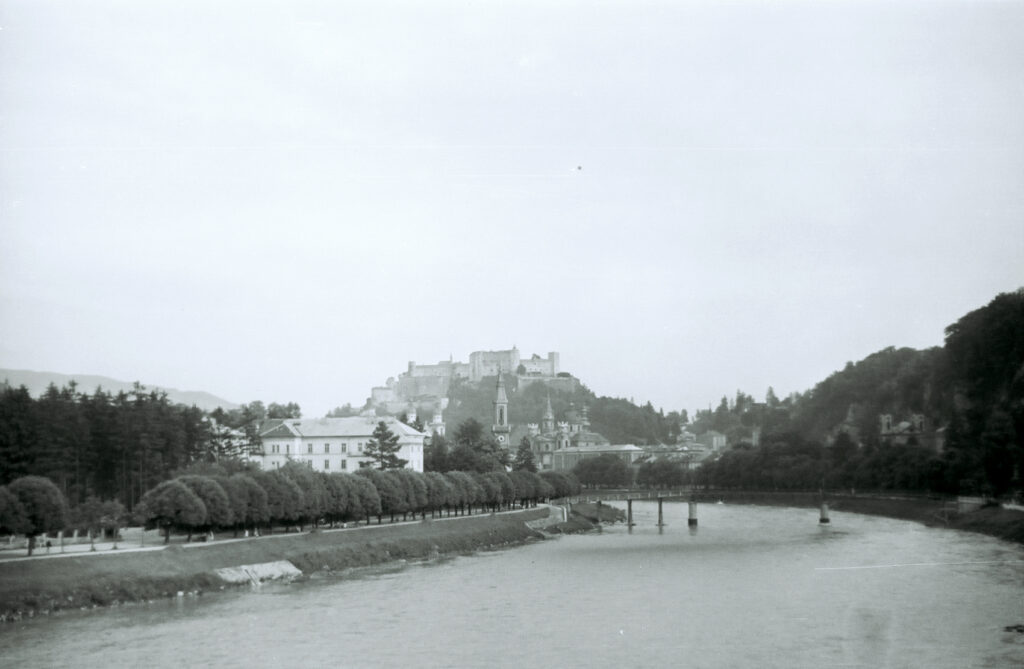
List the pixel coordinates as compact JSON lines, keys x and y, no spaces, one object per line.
{"x":423,"y":385}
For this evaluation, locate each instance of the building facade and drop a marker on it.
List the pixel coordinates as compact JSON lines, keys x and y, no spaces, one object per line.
{"x":567,"y":458}
{"x":332,"y":444}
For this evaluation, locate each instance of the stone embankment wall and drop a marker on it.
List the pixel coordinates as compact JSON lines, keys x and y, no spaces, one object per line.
{"x":257,"y":573}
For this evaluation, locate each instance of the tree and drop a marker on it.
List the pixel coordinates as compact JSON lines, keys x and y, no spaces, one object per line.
{"x":524,"y":457}
{"x":506,"y":487}
{"x":336,"y":496}
{"x":605,"y":469}
{"x":416,"y":489}
{"x":313,"y":492}
{"x":470,"y":432}
{"x":390,"y":489}
{"x":284,"y":497}
{"x":468,"y":491}
{"x":435,"y":455}
{"x":526,"y":487}
{"x":12,"y":513}
{"x":290,"y":410}
{"x":256,"y":509}
{"x":218,"y":505}
{"x":997,"y":451}
{"x":87,"y":516}
{"x":238,"y":499}
{"x":383,"y":448}
{"x":563,"y":484}
{"x":542,"y":489}
{"x":112,"y":517}
{"x":343,"y":411}
{"x":364,"y":498}
{"x":661,"y":473}
{"x":439,"y":491}
{"x":173,"y":504}
{"x":43,"y":503}
{"x":491,"y":490}
{"x":19,"y":433}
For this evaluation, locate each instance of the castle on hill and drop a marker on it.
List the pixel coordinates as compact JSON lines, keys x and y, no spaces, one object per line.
{"x":426,"y":386}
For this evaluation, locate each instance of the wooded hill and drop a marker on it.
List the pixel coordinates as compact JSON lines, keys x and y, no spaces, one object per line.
{"x":970,"y":392}
{"x":619,"y":420}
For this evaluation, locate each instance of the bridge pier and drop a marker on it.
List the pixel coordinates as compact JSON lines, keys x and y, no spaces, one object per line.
{"x":629,"y":514}
{"x":823,"y":518}
{"x":661,"y":522}
{"x":599,"y":516}
{"x":692,"y":520}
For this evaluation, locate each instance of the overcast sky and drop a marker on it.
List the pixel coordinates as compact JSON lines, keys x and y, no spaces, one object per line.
{"x":288,"y":201}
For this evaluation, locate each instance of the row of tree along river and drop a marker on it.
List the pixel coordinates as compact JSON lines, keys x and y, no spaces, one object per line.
{"x":293,"y":495}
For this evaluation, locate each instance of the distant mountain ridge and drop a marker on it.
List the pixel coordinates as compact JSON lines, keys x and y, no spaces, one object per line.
{"x":37,"y":382}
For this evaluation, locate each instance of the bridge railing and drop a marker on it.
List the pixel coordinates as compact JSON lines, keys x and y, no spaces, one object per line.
{"x":623,"y":495}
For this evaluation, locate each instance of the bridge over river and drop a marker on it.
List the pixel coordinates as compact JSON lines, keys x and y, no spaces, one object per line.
{"x":690,"y":495}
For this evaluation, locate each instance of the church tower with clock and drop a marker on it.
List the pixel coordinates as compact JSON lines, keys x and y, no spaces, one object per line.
{"x":501,"y":428}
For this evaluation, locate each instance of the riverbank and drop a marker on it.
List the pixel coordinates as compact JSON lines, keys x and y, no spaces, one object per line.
{"x":993,"y":521}
{"x":586,"y":516}
{"x":40,"y":587}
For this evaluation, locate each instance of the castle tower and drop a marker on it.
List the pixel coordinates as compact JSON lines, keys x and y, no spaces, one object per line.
{"x":501,"y":428}
{"x":547,"y":422}
{"x":562,"y":439}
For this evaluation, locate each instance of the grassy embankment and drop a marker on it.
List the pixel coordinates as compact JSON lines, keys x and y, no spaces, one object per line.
{"x":992,"y":521}
{"x":584,"y":517}
{"x":33,"y":587}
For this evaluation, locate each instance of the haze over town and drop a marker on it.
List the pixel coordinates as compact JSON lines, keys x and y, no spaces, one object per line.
{"x":290,"y":203}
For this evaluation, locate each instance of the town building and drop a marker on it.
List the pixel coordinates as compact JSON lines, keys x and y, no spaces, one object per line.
{"x":712,"y":439}
{"x":332,"y":444}
{"x":913,"y":430}
{"x":558,"y":444}
{"x":690,"y":455}
{"x":567,"y":458}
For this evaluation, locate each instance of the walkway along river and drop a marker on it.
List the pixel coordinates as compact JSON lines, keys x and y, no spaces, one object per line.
{"x":751,"y":587}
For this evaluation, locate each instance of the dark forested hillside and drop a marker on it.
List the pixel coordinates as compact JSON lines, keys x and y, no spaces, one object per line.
{"x":900,"y":382}
{"x":112,"y":446}
{"x":970,"y":393}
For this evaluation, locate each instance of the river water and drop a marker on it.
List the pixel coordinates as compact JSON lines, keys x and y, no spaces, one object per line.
{"x":752,"y":587}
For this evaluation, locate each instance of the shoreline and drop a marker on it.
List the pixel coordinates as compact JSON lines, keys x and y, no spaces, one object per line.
{"x":31,"y":588}
{"x":41,"y":587}
{"x":1005,"y":524}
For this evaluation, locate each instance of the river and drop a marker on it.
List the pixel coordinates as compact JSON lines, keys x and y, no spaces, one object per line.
{"x":751,"y":587}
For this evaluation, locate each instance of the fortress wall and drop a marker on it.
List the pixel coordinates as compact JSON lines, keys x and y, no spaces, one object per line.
{"x":564,"y":384}
{"x":410,"y":387}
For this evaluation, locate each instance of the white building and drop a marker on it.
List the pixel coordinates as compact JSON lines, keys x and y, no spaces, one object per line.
{"x":332,"y":444}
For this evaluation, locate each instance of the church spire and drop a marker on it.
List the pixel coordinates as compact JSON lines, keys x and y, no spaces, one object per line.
{"x":501,"y":397}
{"x":547,"y":421}
{"x":501,"y":428}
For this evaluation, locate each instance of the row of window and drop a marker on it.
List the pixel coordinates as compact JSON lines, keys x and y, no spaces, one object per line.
{"x":276,"y":448}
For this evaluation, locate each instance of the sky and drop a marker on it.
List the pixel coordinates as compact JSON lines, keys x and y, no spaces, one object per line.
{"x":288,"y":201}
